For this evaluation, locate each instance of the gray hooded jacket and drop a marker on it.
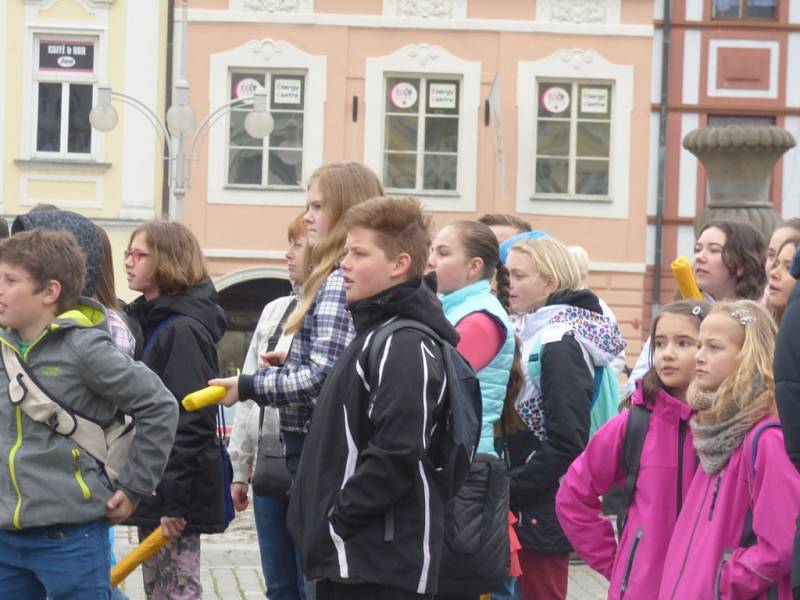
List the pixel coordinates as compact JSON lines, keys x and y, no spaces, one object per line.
{"x":47,"y":479}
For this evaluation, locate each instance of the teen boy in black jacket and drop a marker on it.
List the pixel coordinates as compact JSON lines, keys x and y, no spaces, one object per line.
{"x":366,"y":509}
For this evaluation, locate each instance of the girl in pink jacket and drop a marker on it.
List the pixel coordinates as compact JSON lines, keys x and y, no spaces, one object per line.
{"x":667,"y":464}
{"x":733,"y":538}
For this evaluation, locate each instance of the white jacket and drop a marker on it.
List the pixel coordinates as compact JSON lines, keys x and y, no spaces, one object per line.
{"x":243,"y":445}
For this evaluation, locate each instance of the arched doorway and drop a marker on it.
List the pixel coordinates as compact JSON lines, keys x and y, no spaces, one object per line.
{"x":243,"y":294}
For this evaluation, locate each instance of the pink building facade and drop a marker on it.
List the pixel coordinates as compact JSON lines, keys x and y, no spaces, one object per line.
{"x":537,"y":108}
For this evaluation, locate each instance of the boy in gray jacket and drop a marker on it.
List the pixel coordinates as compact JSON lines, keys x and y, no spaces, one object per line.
{"x":56,"y":498}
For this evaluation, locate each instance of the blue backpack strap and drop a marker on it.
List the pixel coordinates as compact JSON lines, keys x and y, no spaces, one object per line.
{"x":153,"y":334}
{"x":748,"y":537}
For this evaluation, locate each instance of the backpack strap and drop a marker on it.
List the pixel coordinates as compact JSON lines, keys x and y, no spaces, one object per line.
{"x":24,"y":391}
{"x":153,"y":334}
{"x":635,"y":434}
{"x":382,"y":334}
{"x":271,"y":344}
{"x":748,"y":537}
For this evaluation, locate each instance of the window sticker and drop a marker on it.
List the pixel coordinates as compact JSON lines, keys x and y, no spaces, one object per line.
{"x":403,"y":95}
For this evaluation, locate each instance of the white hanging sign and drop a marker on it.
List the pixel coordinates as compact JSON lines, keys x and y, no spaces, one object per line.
{"x":442,"y":95}
{"x":594,"y":100}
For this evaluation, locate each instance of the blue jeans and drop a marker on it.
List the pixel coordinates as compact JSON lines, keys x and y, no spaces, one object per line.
{"x":279,"y":562}
{"x":62,"y":562}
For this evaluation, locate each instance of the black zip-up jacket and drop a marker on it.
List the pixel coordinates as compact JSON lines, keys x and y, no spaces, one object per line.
{"x":184,"y":355}
{"x":366,"y":506}
{"x":787,"y":372}
{"x":567,"y":389}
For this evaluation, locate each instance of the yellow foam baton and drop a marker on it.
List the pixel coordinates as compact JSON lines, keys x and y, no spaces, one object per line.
{"x":149,"y":546}
{"x":213,"y":394}
{"x":682,"y":271}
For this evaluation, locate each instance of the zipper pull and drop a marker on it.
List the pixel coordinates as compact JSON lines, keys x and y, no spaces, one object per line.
{"x":714,"y":497}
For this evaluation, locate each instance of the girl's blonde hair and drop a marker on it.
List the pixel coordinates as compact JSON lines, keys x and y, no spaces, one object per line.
{"x":552,"y":260}
{"x":341,"y":185}
{"x":751,"y":387}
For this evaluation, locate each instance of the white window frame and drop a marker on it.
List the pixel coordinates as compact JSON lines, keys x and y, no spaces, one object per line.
{"x":578,"y":66}
{"x":420,"y":152}
{"x":432,"y":62}
{"x":31,"y":93}
{"x":572,"y":157}
{"x":66,"y":79}
{"x":268,"y":74}
{"x":265,"y":55}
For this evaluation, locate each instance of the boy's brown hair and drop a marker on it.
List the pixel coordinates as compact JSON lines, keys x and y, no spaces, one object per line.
{"x":48,"y":255}
{"x":400,"y":226}
{"x":176,"y":256}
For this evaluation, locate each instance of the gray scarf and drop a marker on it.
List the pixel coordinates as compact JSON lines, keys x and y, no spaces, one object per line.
{"x":716,"y":441}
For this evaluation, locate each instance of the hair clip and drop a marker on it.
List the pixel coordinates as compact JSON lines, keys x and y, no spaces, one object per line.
{"x":744,"y":316}
{"x":697,"y":310}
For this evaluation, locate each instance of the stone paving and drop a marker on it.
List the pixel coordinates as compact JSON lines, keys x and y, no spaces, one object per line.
{"x":231,"y":568}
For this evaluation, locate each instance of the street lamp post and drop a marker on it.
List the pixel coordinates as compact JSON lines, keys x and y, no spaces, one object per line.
{"x":180,"y":126}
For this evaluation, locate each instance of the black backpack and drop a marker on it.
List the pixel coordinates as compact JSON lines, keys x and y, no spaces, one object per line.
{"x":457,"y":431}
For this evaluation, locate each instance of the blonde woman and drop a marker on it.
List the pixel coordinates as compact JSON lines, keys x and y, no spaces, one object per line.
{"x":322,"y":324}
{"x":565,"y":326}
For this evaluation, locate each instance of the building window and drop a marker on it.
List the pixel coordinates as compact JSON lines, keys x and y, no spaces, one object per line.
{"x":573,"y":138}
{"x":745,"y":9}
{"x":64,"y":88}
{"x":420,"y":143}
{"x":277,"y":160}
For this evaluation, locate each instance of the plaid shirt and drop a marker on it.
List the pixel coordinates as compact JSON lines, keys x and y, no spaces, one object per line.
{"x":326,"y":331}
{"x":120,"y":334}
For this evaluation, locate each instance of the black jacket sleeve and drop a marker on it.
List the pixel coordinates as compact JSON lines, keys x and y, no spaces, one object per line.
{"x":567,"y":388}
{"x":403,"y":399}
{"x":787,"y":376}
{"x":186,"y":360}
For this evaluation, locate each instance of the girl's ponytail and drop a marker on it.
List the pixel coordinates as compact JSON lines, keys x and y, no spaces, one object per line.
{"x":503,"y":285}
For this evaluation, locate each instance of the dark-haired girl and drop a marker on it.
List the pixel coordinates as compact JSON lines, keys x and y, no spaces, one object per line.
{"x":465,"y":256}
{"x":667,"y":465}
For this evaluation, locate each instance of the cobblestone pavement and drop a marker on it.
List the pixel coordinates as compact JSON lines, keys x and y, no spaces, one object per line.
{"x":231,"y":568}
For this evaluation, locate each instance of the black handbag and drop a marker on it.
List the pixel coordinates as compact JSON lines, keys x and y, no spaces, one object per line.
{"x":271,"y":477}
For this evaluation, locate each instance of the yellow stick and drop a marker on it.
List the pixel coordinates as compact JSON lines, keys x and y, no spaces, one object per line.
{"x":149,"y":546}
{"x":213,"y":394}
{"x":682,"y":271}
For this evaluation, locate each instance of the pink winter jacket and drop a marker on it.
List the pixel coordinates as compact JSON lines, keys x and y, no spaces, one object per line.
{"x":705,"y":559}
{"x":634,"y":566}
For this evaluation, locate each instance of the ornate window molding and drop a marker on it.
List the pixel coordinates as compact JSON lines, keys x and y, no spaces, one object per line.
{"x":579,"y":66}
{"x":428,"y":60}
{"x":274,"y":7}
{"x":588,"y":12}
{"x":426,"y":9}
{"x":265,"y":54}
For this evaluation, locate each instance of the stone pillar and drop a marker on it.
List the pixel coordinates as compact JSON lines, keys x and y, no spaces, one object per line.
{"x":739,"y":161}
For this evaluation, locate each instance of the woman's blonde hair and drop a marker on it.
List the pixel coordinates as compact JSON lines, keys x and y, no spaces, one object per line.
{"x":552,"y":260}
{"x":751,"y":387}
{"x":341,"y":185}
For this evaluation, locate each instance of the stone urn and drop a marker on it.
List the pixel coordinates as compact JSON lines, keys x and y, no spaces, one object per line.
{"x":739,"y":161}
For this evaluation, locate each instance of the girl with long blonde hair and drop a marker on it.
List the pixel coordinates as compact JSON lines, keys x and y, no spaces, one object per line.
{"x":733,"y":538}
{"x":321,"y":323}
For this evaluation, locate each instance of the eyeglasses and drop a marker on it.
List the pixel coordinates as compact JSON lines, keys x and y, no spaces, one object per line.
{"x":134,"y":254}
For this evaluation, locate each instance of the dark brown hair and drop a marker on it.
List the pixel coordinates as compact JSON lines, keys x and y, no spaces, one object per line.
{"x":105,"y":293}
{"x":651,"y":382}
{"x":48,"y":255}
{"x":400,"y":226}
{"x":176,"y":256}
{"x":744,"y":254}
{"x":479,"y":242}
{"x":777,"y":311}
{"x":505,"y":220}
